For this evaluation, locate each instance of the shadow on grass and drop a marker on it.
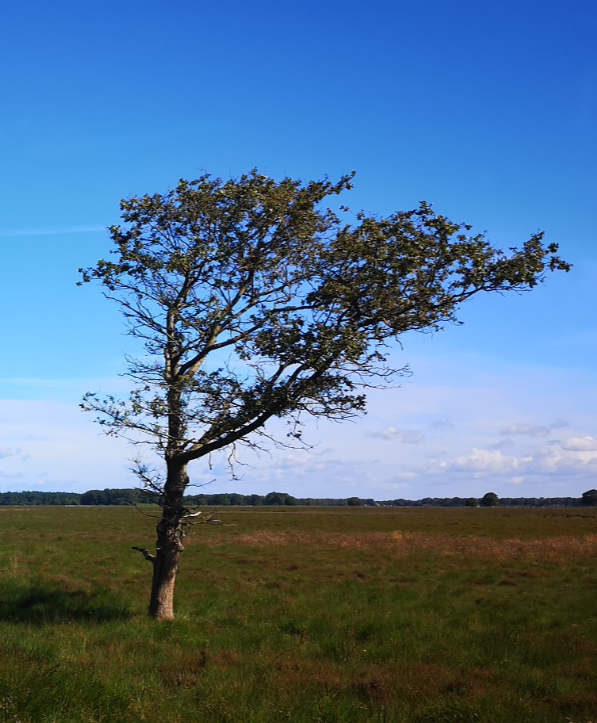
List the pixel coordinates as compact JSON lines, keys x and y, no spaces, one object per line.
{"x":41,"y":602}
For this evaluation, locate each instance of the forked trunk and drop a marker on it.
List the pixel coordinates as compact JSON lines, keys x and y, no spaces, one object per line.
{"x":168,"y":545}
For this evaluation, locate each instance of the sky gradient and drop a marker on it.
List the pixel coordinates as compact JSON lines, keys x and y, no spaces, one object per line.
{"x":487,"y":112}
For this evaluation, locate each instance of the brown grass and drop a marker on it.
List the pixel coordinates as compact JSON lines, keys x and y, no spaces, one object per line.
{"x":382,"y":682}
{"x":554,"y":549}
{"x":184,"y":671}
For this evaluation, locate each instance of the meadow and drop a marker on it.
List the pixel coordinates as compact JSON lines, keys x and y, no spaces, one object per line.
{"x":303,"y":614}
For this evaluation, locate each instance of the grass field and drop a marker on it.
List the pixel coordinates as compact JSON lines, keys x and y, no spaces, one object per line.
{"x":303,"y":614}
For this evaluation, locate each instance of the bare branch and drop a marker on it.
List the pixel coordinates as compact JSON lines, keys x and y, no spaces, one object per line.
{"x":146,"y":554}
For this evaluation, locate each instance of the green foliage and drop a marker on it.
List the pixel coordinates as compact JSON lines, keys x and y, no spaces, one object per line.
{"x":123,"y":496}
{"x":128,"y":496}
{"x":301,"y":301}
{"x":279,"y":498}
{"x":589,"y":498}
{"x":490,"y":499}
{"x":39,"y":498}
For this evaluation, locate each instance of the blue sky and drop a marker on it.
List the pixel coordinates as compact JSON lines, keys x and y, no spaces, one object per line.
{"x":487,"y":111}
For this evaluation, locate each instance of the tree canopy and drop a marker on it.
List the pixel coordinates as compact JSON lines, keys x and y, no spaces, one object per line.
{"x":303,"y":301}
{"x":255,"y":301}
{"x":490,"y":499}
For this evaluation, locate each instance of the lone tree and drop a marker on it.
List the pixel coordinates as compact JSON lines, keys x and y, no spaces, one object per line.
{"x":254,"y":301}
{"x":490,"y":499}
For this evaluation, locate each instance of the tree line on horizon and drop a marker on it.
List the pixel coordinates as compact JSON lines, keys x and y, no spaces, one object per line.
{"x":133,"y":496}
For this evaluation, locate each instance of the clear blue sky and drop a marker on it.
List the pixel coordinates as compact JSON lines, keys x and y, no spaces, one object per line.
{"x":487,"y":111}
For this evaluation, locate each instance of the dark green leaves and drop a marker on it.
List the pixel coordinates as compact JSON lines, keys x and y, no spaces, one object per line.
{"x":253,"y":300}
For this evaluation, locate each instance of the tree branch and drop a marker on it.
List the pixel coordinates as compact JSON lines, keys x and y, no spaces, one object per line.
{"x":146,"y":554}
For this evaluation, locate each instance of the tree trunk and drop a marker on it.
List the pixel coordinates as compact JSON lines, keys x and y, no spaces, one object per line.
{"x":161,"y":602}
{"x":168,"y":544}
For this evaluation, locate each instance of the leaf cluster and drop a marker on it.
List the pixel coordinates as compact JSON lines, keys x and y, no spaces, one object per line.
{"x":254,"y":300}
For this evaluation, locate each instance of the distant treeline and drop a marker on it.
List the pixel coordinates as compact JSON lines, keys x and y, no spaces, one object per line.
{"x":92,"y":497}
{"x":135,"y":496}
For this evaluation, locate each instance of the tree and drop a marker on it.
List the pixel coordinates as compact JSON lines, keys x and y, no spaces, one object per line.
{"x":490,"y":499}
{"x":279,"y":498}
{"x":589,"y":498}
{"x":255,"y":302}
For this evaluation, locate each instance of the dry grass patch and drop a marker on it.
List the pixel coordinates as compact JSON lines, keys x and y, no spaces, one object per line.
{"x":184,"y":671}
{"x":384,"y":683}
{"x":553,"y":549}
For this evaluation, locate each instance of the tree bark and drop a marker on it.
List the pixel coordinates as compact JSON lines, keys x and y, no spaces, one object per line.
{"x":168,"y":544}
{"x":161,"y":602}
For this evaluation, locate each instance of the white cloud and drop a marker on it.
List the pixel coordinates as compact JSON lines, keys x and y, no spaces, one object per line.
{"x":9,"y":452}
{"x":559,"y":458}
{"x":581,"y":444}
{"x":485,"y":460}
{"x":548,"y":459}
{"x":57,"y":446}
{"x":532,"y":430}
{"x":406,"y":436}
{"x":402,"y":442}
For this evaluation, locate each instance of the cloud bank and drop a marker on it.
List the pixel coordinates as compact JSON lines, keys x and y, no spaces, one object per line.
{"x":423,"y":440}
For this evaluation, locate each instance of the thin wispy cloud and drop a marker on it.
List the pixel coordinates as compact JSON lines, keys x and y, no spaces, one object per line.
{"x":14,"y":233}
{"x":406,"y":436}
{"x":532,"y":430}
{"x":581,"y":444}
{"x":9,"y":452}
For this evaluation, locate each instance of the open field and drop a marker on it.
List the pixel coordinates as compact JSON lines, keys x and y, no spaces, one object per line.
{"x":303,"y":614}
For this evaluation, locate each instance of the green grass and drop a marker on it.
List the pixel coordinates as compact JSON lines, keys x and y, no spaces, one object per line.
{"x":417,"y":614}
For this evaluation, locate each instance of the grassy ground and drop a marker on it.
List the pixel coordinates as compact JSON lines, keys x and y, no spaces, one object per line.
{"x":421,"y":614}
